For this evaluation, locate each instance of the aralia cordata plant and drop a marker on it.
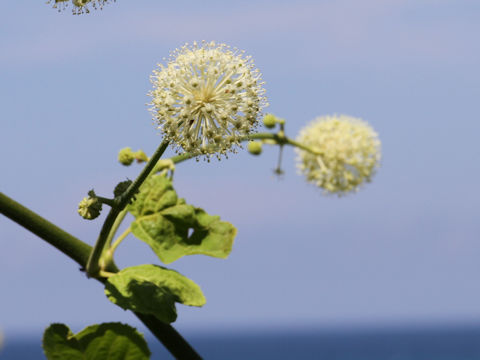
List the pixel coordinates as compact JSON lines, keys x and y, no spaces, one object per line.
{"x":206,"y":101}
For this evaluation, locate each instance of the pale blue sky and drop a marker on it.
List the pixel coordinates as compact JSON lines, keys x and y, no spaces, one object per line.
{"x":404,"y":249}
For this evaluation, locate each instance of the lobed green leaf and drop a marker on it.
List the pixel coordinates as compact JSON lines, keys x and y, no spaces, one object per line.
{"x":174,"y":229}
{"x":151,"y":289}
{"x":155,"y":194}
{"x":107,"y":341}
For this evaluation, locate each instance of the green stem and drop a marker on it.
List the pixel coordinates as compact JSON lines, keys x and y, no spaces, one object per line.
{"x":278,"y":170}
{"x":63,"y":241}
{"x":79,"y":251}
{"x":105,"y":274}
{"x":303,"y":147}
{"x":133,"y":188}
{"x":116,"y":225}
{"x":169,"y":337}
{"x":119,"y":240}
{"x":93,"y":266}
{"x":109,"y":202}
{"x":182,"y":157}
{"x":280,"y":140}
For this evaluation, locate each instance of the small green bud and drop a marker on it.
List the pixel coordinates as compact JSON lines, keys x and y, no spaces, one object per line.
{"x":255,"y":147}
{"x":269,"y":121}
{"x":90,"y":207}
{"x":140,"y":156}
{"x":126,"y":156}
{"x":121,"y":187}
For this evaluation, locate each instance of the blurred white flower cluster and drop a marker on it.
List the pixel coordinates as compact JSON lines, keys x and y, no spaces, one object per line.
{"x":347,"y":153}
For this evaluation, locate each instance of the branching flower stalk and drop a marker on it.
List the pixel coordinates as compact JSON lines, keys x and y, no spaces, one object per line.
{"x":272,"y":139}
{"x":93,"y":266}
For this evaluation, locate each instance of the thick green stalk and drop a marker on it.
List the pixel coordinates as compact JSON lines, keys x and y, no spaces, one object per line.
{"x":63,"y":241}
{"x":93,"y":262}
{"x":170,"y":338}
{"x":79,"y":251}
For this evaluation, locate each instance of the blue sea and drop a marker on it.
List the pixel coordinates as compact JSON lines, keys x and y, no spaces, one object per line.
{"x":439,"y":343}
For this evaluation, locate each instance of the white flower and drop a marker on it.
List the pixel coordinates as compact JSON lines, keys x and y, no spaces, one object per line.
{"x":207,"y":97}
{"x":79,"y":6}
{"x":348,"y":153}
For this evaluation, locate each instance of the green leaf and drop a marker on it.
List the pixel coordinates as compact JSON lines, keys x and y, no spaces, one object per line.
{"x":59,"y":343}
{"x":108,"y":341}
{"x":151,"y":289}
{"x":155,"y":194}
{"x":176,"y":230}
{"x":113,"y":341}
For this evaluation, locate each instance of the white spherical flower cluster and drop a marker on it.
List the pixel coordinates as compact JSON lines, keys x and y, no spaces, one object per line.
{"x":79,"y":6}
{"x":207,"y":97}
{"x":347,"y":153}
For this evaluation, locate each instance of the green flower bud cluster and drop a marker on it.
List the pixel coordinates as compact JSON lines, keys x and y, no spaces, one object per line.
{"x":90,"y":207}
{"x":126,"y":156}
